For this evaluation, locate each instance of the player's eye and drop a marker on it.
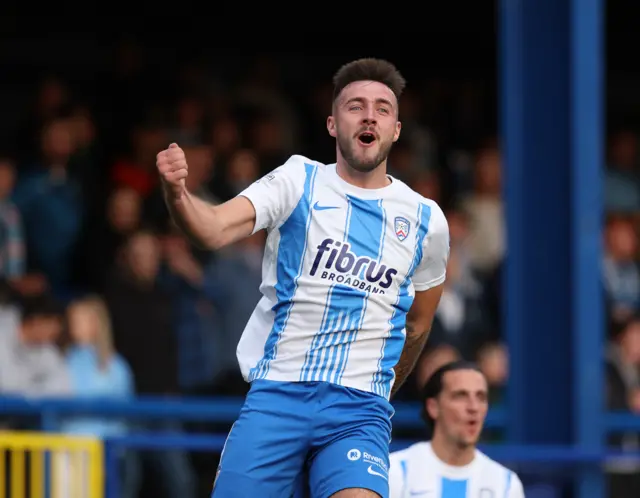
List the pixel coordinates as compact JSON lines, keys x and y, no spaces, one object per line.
{"x":355,"y":108}
{"x":384,"y":110}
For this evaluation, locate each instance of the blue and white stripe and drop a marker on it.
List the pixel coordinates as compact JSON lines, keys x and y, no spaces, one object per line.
{"x":346,"y":306}
{"x":294,"y":236}
{"x":393,"y":344}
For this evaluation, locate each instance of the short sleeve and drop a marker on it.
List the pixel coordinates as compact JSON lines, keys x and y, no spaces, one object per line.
{"x":397,"y":475}
{"x":432,"y":268}
{"x":515,"y":487}
{"x":275,"y":195}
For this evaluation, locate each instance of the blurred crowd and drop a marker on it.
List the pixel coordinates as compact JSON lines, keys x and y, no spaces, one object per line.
{"x":101,"y":296}
{"x":621,"y":284}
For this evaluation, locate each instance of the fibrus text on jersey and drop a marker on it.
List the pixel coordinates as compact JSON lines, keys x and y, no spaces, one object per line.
{"x":344,"y":267}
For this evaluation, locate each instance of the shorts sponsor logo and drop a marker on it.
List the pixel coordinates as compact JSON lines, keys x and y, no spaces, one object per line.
{"x":354,"y":455}
{"x":376,"y":461}
{"x":374,"y":472}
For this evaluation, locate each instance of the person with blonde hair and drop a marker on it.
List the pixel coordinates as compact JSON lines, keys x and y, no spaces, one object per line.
{"x":97,"y":371}
{"x":92,"y":340}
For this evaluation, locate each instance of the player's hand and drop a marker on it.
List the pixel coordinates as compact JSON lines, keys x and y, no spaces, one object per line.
{"x":173,"y":169}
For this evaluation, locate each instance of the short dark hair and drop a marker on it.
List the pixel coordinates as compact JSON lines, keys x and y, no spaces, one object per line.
{"x":369,"y":69}
{"x":434,"y":385}
{"x":617,"y":328}
{"x":41,"y":306}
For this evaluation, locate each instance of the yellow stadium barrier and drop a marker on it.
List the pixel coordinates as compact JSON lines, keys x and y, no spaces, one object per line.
{"x":42,"y":465}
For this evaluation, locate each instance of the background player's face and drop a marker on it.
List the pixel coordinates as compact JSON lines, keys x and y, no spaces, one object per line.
{"x":461,"y":408}
{"x":365,"y":107}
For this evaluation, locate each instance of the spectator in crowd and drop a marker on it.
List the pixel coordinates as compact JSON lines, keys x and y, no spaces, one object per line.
{"x":142,"y":316}
{"x":623,"y":393}
{"x":52,"y":207}
{"x":484,"y":207}
{"x":50,"y":101}
{"x":97,"y":371}
{"x":461,"y":319}
{"x":104,"y":239}
{"x":30,"y":362}
{"x":621,"y":273}
{"x":135,"y":168}
{"x":243,"y":169}
{"x":12,"y":242}
{"x":622,"y":182}
{"x":95,"y":367}
{"x":198,"y":300}
{"x":189,"y":122}
{"x":224,"y":138}
{"x":493,"y":360}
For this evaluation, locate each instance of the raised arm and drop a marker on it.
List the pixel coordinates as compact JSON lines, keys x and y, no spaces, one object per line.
{"x":428,"y":282}
{"x":261,"y":206}
{"x":206,"y":225}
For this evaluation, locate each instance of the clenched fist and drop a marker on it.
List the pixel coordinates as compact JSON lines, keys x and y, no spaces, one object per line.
{"x":173,"y":169}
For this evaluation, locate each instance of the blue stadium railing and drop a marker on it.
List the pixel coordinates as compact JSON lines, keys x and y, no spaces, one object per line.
{"x":225,"y":410}
{"x":219,"y":409}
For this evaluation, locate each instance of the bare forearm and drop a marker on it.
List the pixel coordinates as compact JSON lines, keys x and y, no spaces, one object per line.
{"x":414,"y":344}
{"x":196,"y":218}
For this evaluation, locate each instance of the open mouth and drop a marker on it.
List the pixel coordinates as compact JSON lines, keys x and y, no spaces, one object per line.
{"x":366,"y":138}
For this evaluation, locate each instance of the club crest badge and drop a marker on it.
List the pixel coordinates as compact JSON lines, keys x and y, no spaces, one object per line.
{"x":402,"y":226}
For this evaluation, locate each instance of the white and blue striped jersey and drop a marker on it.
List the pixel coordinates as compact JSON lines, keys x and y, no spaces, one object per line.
{"x":416,"y":472}
{"x":340,"y":271}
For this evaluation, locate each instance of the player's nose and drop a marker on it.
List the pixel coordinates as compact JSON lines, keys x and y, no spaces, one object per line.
{"x":473,"y":407}
{"x":369,"y":117}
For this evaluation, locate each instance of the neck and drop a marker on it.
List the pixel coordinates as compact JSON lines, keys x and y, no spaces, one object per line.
{"x":374,"y":179}
{"x":451,"y":454}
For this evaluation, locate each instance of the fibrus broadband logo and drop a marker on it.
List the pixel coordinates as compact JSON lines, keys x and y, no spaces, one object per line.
{"x":344,"y":267}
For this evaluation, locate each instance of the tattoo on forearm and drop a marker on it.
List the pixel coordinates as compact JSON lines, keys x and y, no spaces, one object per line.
{"x":413,"y":346}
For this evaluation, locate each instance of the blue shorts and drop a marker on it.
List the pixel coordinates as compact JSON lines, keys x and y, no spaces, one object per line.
{"x":339,"y":437}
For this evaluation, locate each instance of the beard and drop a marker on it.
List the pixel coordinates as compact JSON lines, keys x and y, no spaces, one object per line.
{"x":366,"y":163}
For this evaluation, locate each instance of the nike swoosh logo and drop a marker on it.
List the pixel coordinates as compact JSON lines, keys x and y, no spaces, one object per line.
{"x":376,"y":473}
{"x":317,"y":207}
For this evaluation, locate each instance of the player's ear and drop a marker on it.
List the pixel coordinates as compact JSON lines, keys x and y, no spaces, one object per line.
{"x":432,"y":408}
{"x":396,"y":135}
{"x":331,"y":126}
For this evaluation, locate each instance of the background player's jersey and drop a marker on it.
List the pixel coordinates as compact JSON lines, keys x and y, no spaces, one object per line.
{"x":340,"y":269}
{"x":417,"y":472}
